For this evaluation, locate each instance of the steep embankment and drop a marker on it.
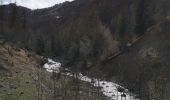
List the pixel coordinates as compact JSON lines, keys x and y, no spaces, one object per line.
{"x":144,"y":66}
{"x":17,"y":67}
{"x":22,"y":77}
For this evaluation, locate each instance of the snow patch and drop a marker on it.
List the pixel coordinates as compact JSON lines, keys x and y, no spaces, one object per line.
{"x":57,"y":17}
{"x":109,"y":89}
{"x":52,"y":66}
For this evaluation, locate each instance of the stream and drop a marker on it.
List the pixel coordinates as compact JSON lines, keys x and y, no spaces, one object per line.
{"x":109,"y":89}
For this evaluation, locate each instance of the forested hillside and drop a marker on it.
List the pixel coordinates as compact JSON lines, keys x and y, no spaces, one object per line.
{"x":125,"y":41}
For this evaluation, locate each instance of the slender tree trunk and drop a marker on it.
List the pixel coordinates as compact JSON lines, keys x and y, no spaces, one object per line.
{"x":117,"y":95}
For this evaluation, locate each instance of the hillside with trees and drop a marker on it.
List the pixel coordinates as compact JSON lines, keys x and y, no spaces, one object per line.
{"x":123,"y":41}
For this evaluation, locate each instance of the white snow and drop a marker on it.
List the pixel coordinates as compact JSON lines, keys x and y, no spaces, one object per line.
{"x":52,"y":66}
{"x":109,"y":89}
{"x":58,"y":17}
{"x":33,"y":4}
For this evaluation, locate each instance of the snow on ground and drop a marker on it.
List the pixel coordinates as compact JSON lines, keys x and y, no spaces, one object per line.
{"x":58,"y":17}
{"x":109,"y":89}
{"x":52,"y":66}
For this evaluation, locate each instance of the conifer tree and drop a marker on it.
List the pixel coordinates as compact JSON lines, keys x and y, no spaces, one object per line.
{"x":143,"y":17}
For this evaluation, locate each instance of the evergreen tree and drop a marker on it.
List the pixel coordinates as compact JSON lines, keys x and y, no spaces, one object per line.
{"x":122,"y":29}
{"x":143,"y":17}
{"x":40,"y":46}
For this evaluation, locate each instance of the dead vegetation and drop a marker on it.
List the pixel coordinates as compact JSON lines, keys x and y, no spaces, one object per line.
{"x":22,"y":77}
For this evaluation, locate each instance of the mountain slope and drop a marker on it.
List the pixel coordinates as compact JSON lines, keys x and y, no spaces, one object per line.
{"x":145,"y":65}
{"x":132,"y":34}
